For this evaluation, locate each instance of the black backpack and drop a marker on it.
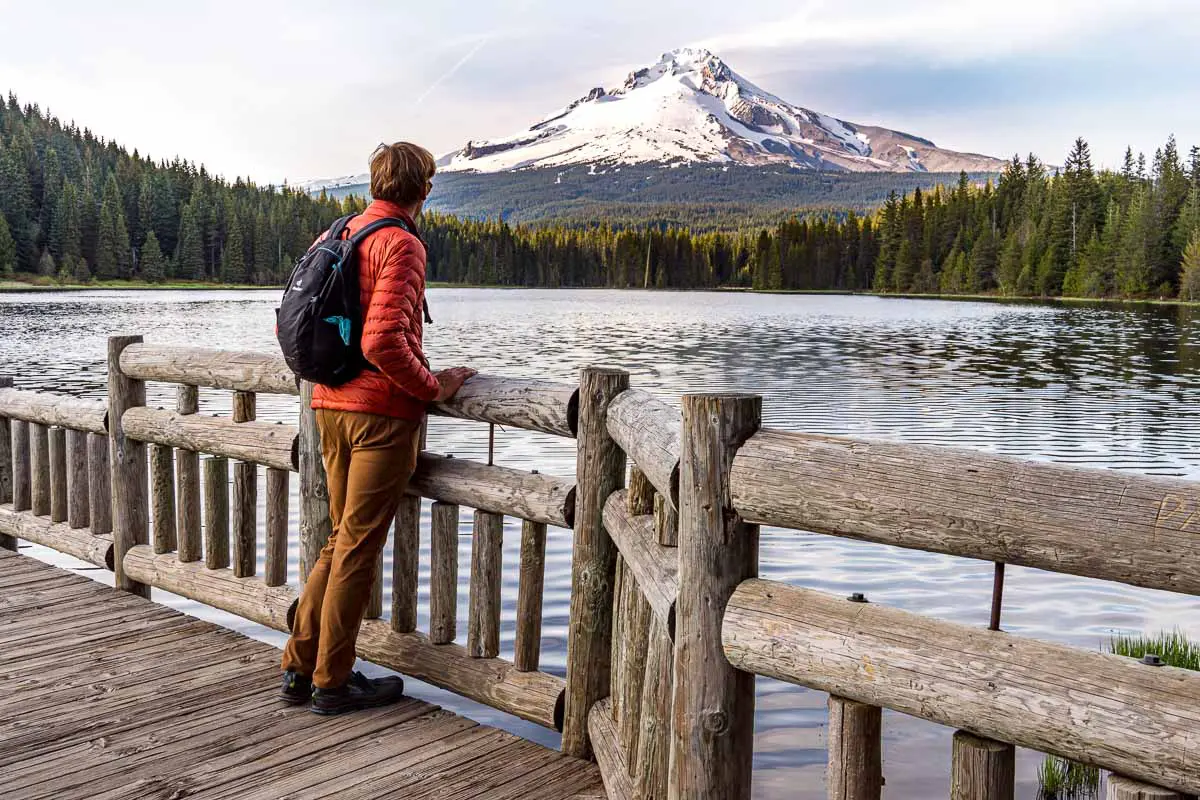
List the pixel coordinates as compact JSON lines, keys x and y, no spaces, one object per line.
{"x":319,"y":320}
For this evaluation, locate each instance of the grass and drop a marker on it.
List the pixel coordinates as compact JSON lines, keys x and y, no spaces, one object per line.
{"x":1063,"y":779}
{"x":25,"y":282}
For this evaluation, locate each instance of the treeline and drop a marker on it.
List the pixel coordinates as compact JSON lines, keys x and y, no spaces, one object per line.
{"x":77,"y":207}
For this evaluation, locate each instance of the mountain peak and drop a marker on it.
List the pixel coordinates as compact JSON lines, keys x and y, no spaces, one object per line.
{"x":691,"y":107}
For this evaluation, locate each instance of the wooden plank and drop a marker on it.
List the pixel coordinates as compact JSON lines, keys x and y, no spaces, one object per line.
{"x":483,"y":616}
{"x":443,"y":573}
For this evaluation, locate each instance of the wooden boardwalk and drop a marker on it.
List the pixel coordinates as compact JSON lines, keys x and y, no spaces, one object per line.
{"x":105,"y":695}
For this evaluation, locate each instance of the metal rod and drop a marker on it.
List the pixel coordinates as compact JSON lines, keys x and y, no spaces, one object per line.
{"x":491,"y":443}
{"x":997,"y":596}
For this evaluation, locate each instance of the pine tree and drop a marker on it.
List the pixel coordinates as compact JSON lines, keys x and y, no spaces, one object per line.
{"x":152,"y":267}
{"x":1132,"y":259}
{"x":46,"y":265}
{"x":8,"y":249}
{"x":265,"y":256}
{"x":1009,"y":270}
{"x":189,"y":255}
{"x":113,"y":256}
{"x":17,"y":208}
{"x":233,"y":256}
{"x":1189,"y":282}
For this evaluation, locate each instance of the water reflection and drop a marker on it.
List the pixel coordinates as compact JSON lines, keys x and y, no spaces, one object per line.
{"x":1111,"y":386}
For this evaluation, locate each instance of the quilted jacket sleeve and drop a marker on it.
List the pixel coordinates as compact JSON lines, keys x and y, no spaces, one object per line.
{"x":391,"y":320}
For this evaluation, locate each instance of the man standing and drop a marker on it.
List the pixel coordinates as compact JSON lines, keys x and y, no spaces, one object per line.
{"x":370,"y":437}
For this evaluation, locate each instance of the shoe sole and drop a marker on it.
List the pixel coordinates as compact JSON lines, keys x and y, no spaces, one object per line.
{"x":293,"y":701}
{"x":333,"y":712}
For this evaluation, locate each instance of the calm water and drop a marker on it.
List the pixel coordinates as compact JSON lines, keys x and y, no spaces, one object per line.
{"x":1097,"y":386}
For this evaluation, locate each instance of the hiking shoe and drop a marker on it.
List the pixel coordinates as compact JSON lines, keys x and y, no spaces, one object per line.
{"x":297,"y":689}
{"x":357,"y":693}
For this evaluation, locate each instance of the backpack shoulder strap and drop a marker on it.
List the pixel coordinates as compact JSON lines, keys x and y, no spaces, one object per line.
{"x":391,"y":222}
{"x":339,"y":226}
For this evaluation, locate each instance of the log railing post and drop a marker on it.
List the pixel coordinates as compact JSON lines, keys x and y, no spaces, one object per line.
{"x":39,"y":468}
{"x":406,"y":548}
{"x":216,"y":512}
{"x":22,"y":475}
{"x":982,"y":769}
{"x":599,"y":471}
{"x":6,"y":465}
{"x":315,"y":526}
{"x":187,"y":473}
{"x":58,"y":474}
{"x":713,"y":712}
{"x":1122,"y":788}
{"x":162,"y":497}
{"x":483,"y":614}
{"x":130,"y":476}
{"x":100,"y":513}
{"x":245,"y":497}
{"x":443,"y":573}
{"x":527,"y":647}
{"x":855,"y":751}
{"x":77,"y":479}
{"x":275,"y":568}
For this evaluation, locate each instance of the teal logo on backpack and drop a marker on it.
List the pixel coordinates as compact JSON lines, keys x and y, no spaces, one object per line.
{"x":343,"y":326}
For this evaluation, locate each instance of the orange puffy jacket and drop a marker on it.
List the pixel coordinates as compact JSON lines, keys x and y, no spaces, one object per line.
{"x":391,"y":275}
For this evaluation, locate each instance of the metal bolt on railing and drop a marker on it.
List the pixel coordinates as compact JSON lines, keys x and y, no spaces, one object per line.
{"x":1152,"y":660}
{"x":857,"y":597}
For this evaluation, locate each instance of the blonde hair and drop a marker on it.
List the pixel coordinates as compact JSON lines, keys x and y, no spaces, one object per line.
{"x":401,"y":173}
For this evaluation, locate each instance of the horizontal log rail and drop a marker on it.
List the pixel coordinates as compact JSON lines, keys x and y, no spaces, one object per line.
{"x":272,"y":445}
{"x":656,"y":567}
{"x":606,"y":745}
{"x":1100,"y":709}
{"x":58,"y":410}
{"x":527,"y":404}
{"x":1097,"y":523}
{"x":499,"y":490}
{"x":78,"y":542}
{"x":649,"y":432}
{"x":218,"y":369}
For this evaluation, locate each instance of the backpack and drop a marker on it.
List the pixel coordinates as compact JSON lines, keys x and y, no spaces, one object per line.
{"x":319,"y":320}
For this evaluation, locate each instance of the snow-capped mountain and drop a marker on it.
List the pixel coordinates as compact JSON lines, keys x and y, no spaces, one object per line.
{"x":691,"y":107}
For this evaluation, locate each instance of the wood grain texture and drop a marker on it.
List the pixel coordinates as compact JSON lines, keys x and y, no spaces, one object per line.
{"x":58,"y":474}
{"x":245,"y":519}
{"x":600,"y":471}
{"x":55,"y":410}
{"x":257,"y":442}
{"x":78,"y":542}
{"x":406,"y":554}
{"x":1108,"y":524}
{"x":1122,"y":788}
{"x":634,"y":644}
{"x":22,"y":468}
{"x":855,"y":751}
{"x":1096,"y":708}
{"x":713,"y":707}
{"x":527,"y":648}
{"x":651,"y":765}
{"x":127,"y":459}
{"x":315,"y":525}
{"x":606,"y":743}
{"x":498,"y":490}
{"x":528,"y":404}
{"x":188,"y":526}
{"x":100,"y":517}
{"x":39,"y":468}
{"x":443,"y":573}
{"x":6,"y":464}
{"x":375,"y":601}
{"x":666,"y":522}
{"x":640,"y":494}
{"x":648,"y":430}
{"x":982,"y":769}
{"x":216,"y":512}
{"x":656,"y":568}
{"x":218,"y":369}
{"x":77,"y":479}
{"x":276,"y":561}
{"x":162,"y":497}
{"x":483,"y":614}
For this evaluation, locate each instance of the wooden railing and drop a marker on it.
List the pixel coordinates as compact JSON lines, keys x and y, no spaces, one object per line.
{"x":669,"y":622}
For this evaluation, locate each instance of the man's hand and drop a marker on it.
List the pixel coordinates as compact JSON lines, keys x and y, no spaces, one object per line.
{"x":451,"y":381}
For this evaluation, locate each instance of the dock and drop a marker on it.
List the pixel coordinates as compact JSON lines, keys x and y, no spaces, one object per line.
{"x":107,"y":695}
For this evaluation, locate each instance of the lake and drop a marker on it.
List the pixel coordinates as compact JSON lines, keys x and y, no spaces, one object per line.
{"x":1093,"y":385}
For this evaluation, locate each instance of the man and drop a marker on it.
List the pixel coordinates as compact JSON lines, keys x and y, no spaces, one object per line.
{"x":370,"y":436}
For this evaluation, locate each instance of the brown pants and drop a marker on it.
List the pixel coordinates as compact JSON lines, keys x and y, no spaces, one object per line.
{"x":368,"y":461}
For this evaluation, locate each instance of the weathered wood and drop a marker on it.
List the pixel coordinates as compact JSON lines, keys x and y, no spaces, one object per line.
{"x":315,"y":525}
{"x":275,"y":568}
{"x":39,"y":467}
{"x":528,"y":645}
{"x":22,"y":466}
{"x":219,"y":369}
{"x":635,"y":634}
{"x":498,"y":490}
{"x":6,"y":465}
{"x":529,"y":404}
{"x":100,"y":517}
{"x":245,"y":406}
{"x":78,"y":542}
{"x":187,"y":466}
{"x":1122,"y":788}
{"x":713,"y":710}
{"x":220,"y":588}
{"x":619,"y":615}
{"x":274,"y":445}
{"x":162,"y":494}
{"x":216,"y":513}
{"x":600,"y":471}
{"x":483,"y":615}
{"x":127,"y":459}
{"x":245,"y":519}
{"x":856,"y":751}
{"x":651,"y":765}
{"x":443,"y":573}
{"x":640,"y":494}
{"x":375,"y":601}
{"x":648,"y":430}
{"x":406,"y":551}
{"x":666,"y":522}
{"x":606,"y":744}
{"x":982,"y":769}
{"x":655,"y":567}
{"x":58,"y":474}
{"x":1092,"y":707}
{"x":77,"y":479}
{"x":54,"y":410}
{"x":1108,"y":524}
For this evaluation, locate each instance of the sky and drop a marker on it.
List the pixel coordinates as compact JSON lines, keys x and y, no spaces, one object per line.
{"x":280,"y":90}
